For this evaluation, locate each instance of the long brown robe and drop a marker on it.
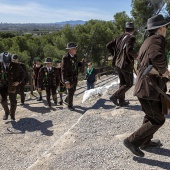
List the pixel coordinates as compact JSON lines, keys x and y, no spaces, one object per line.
{"x":123,"y":54}
{"x":69,"y":70}
{"x":152,"y":52}
{"x":7,"y":77}
{"x":50,"y":80}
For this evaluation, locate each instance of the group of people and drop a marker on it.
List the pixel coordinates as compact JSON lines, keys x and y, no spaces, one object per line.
{"x":61,"y":76}
{"x":152,"y":53}
{"x":65,"y":75}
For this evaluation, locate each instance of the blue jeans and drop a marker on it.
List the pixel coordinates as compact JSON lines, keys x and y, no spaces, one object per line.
{"x":90,"y":85}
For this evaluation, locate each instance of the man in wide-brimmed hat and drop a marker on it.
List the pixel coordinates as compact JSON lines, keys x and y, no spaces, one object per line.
{"x":70,"y":72}
{"x":152,"y":52}
{"x":122,"y":50}
{"x":48,"y":77}
{"x":11,"y":76}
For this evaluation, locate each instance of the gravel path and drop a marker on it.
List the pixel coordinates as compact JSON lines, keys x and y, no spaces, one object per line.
{"x":89,"y":138}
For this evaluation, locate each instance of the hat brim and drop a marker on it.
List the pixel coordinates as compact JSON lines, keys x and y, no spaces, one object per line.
{"x":152,"y":28}
{"x":47,"y":62}
{"x":71,"y":47}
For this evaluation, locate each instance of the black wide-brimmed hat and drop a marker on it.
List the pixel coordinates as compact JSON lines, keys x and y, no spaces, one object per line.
{"x":14,"y":56}
{"x":48,"y":60}
{"x":71,"y":45}
{"x":129,"y":25}
{"x":156,"y":22}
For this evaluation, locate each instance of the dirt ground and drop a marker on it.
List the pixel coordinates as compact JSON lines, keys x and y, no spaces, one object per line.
{"x":90,"y":138}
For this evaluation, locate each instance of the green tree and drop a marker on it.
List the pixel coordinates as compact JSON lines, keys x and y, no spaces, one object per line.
{"x":119,"y":20}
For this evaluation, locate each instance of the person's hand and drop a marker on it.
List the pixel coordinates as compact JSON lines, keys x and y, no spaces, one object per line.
{"x":166,"y":74}
{"x":15,"y":83}
{"x":27,"y":83}
{"x":67,"y":85}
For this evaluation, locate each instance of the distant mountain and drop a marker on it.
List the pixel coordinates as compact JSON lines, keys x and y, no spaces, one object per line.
{"x":27,"y":27}
{"x":72,"y":22}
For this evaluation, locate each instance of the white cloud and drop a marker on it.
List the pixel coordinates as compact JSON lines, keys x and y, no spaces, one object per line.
{"x":35,"y":12}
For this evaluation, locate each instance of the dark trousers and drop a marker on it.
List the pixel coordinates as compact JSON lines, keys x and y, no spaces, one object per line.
{"x":49,"y":90}
{"x":153,"y":120}
{"x":12,"y":99}
{"x":21,"y":92}
{"x":61,"y":97}
{"x":90,"y":85}
{"x":126,"y":82}
{"x":70,"y":94}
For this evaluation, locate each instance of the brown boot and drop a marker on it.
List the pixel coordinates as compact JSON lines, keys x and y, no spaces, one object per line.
{"x":133,"y":149}
{"x":114,"y":100}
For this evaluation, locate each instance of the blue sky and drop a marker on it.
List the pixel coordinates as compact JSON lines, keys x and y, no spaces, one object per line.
{"x":50,"y":11}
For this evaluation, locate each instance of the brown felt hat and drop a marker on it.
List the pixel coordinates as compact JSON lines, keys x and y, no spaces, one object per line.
{"x":155,"y":22}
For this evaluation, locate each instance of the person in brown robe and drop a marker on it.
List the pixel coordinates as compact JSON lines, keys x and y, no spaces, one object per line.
{"x":11,"y":75}
{"x":152,"y":52}
{"x":69,"y":71}
{"x":36,"y":68}
{"x":26,"y":79}
{"x":48,"y":77}
{"x":61,"y":89}
{"x":122,"y":50}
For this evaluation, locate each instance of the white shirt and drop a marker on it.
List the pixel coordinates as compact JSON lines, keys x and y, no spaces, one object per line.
{"x":71,"y":55}
{"x":49,"y":68}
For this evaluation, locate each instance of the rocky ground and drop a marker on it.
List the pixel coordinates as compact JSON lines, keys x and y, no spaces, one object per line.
{"x":90,"y":138}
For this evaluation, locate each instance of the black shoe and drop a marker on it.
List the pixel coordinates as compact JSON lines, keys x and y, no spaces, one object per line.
{"x":5,"y":117}
{"x":153,"y":143}
{"x":61,"y":102}
{"x":12,"y":118}
{"x":39,"y":99}
{"x":132,"y":148}
{"x":71,"y":108}
{"x":125,"y":103}
{"x":114,"y":100}
{"x":22,"y":104}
